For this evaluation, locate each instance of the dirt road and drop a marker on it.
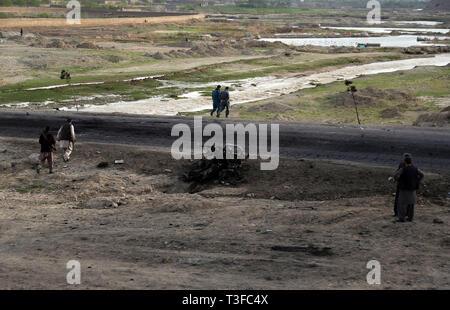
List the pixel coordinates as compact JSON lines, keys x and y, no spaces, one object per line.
{"x":375,"y":145}
{"x":92,"y":22}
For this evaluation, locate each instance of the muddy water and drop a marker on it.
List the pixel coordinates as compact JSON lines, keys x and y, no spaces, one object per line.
{"x":417,"y":22}
{"x":389,"y":29}
{"x":386,"y":41}
{"x":260,"y":88}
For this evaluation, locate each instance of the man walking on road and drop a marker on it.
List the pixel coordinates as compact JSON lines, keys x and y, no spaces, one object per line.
{"x":66,"y":138}
{"x":224,"y":102}
{"x":47,"y":142}
{"x":216,"y":100}
{"x":409,"y":178}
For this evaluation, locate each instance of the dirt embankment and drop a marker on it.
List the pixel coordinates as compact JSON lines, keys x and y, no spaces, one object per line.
{"x":370,"y":97}
{"x":92,"y":22}
{"x":35,"y":10}
{"x":37,"y":40}
{"x":212,"y":48}
{"x":440,"y":119}
{"x":310,"y":224}
{"x":439,"y":5}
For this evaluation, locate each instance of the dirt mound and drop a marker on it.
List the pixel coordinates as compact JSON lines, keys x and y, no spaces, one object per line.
{"x":447,"y":109}
{"x":40,"y":41}
{"x":9,"y":34}
{"x":56,"y":43}
{"x":215,"y":48}
{"x":419,"y":50}
{"x":87,"y":45}
{"x":441,"y":119}
{"x":327,"y":50}
{"x":280,"y":117}
{"x":369,"y":97}
{"x":390,"y":113}
{"x":271,"y":107}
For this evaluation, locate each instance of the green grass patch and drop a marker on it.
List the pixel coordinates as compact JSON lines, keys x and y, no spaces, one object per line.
{"x":265,"y":66}
{"x":134,"y":91}
{"x":317,"y":104}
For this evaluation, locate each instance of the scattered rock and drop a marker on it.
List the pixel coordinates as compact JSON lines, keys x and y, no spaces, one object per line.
{"x":316,"y":251}
{"x":103,"y":164}
{"x":438,"y":221}
{"x":99,"y":203}
{"x":158,"y":55}
{"x":34,"y":158}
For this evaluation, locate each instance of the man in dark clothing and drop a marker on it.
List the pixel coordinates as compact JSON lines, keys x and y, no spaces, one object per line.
{"x":409,"y":178}
{"x":224,"y":102}
{"x":47,"y":142}
{"x":400,"y":166}
{"x":216,"y":100}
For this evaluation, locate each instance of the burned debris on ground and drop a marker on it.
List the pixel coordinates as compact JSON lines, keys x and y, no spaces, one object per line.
{"x":228,"y":170}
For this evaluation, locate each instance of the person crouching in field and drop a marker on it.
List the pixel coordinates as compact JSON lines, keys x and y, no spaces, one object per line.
{"x":66,"y":138}
{"x":47,"y":142}
{"x":409,"y":178}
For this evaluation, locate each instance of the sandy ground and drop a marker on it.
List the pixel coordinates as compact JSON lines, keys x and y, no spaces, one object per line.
{"x":307,"y":225}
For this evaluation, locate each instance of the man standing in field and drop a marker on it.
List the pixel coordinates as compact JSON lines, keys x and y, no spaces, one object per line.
{"x":400,"y":166}
{"x":66,"y":138}
{"x":47,"y":142}
{"x":216,"y":100}
{"x":408,"y":178}
{"x":224,"y":102}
